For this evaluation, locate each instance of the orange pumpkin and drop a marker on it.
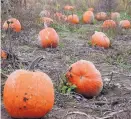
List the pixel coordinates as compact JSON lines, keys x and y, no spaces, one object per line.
{"x":125,"y":24}
{"x":115,"y":16}
{"x":74,"y":19}
{"x":47,"y":20}
{"x":107,"y":24}
{"x":88,"y":17}
{"x":91,"y":9}
{"x":14,"y":25}
{"x":68,"y":7}
{"x":3,"y":54}
{"x":48,"y":38}
{"x":101,"y":16}
{"x":58,"y":15}
{"x":86,"y":77}
{"x":28,"y":94}
{"x":100,"y":39}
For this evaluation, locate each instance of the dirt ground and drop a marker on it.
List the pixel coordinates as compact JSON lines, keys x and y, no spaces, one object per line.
{"x":115,"y":100}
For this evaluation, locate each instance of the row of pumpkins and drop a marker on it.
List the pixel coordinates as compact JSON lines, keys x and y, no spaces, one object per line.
{"x":30,"y":94}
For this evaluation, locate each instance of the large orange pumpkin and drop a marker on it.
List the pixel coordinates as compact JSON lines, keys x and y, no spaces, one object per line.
{"x":4,"y":54}
{"x":109,"y":24}
{"x":125,"y":24}
{"x":101,"y":16}
{"x":100,"y":39}
{"x":28,"y":94}
{"x":86,"y":77}
{"x":14,"y":25}
{"x":88,"y":17}
{"x":115,"y":16}
{"x":74,"y":19}
{"x":48,"y":37}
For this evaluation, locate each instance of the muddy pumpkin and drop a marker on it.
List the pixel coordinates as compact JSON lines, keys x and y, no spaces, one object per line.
{"x":14,"y":24}
{"x":48,"y":37}
{"x":87,"y":79}
{"x":101,"y":16}
{"x":28,"y":94}
{"x":100,"y":39}
{"x":74,"y":19}
{"x":125,"y":24}
{"x":115,"y":16}
{"x":88,"y":17}
{"x":109,"y":24}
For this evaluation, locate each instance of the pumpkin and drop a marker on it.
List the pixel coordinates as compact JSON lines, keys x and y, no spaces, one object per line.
{"x":14,"y":25}
{"x":4,"y":54}
{"x":101,"y":16}
{"x":48,"y":37}
{"x":91,"y":9}
{"x":68,"y":7}
{"x":115,"y":16}
{"x":58,"y":15}
{"x":88,"y":17}
{"x":74,"y":19}
{"x":47,"y":20}
{"x":85,"y":77}
{"x":28,"y":94}
{"x":108,"y":24}
{"x":125,"y":24}
{"x":100,"y":39}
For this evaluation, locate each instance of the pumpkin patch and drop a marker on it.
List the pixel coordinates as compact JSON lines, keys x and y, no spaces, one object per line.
{"x":28,"y":94}
{"x":86,"y":77}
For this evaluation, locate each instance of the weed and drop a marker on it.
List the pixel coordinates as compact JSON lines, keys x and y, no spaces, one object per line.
{"x":64,"y":86}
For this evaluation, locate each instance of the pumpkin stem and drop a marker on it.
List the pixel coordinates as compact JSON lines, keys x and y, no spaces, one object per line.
{"x":45,"y":25}
{"x":35,"y":62}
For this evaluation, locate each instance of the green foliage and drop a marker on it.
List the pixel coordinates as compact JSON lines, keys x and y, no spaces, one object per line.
{"x":65,"y":87}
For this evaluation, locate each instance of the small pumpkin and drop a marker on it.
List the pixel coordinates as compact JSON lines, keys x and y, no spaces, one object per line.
{"x":14,"y":24}
{"x":115,"y":16}
{"x":58,"y":15}
{"x":28,"y":94}
{"x":48,"y":37}
{"x":4,"y":54}
{"x":125,"y":24}
{"x":74,"y":19}
{"x":100,"y":39}
{"x":101,"y":16}
{"x":69,"y":7}
{"x":88,"y":17}
{"x":109,"y":24}
{"x":91,"y":9}
{"x":87,"y":79}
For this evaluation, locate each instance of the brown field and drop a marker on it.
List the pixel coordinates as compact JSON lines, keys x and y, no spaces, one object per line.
{"x":114,"y":63}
